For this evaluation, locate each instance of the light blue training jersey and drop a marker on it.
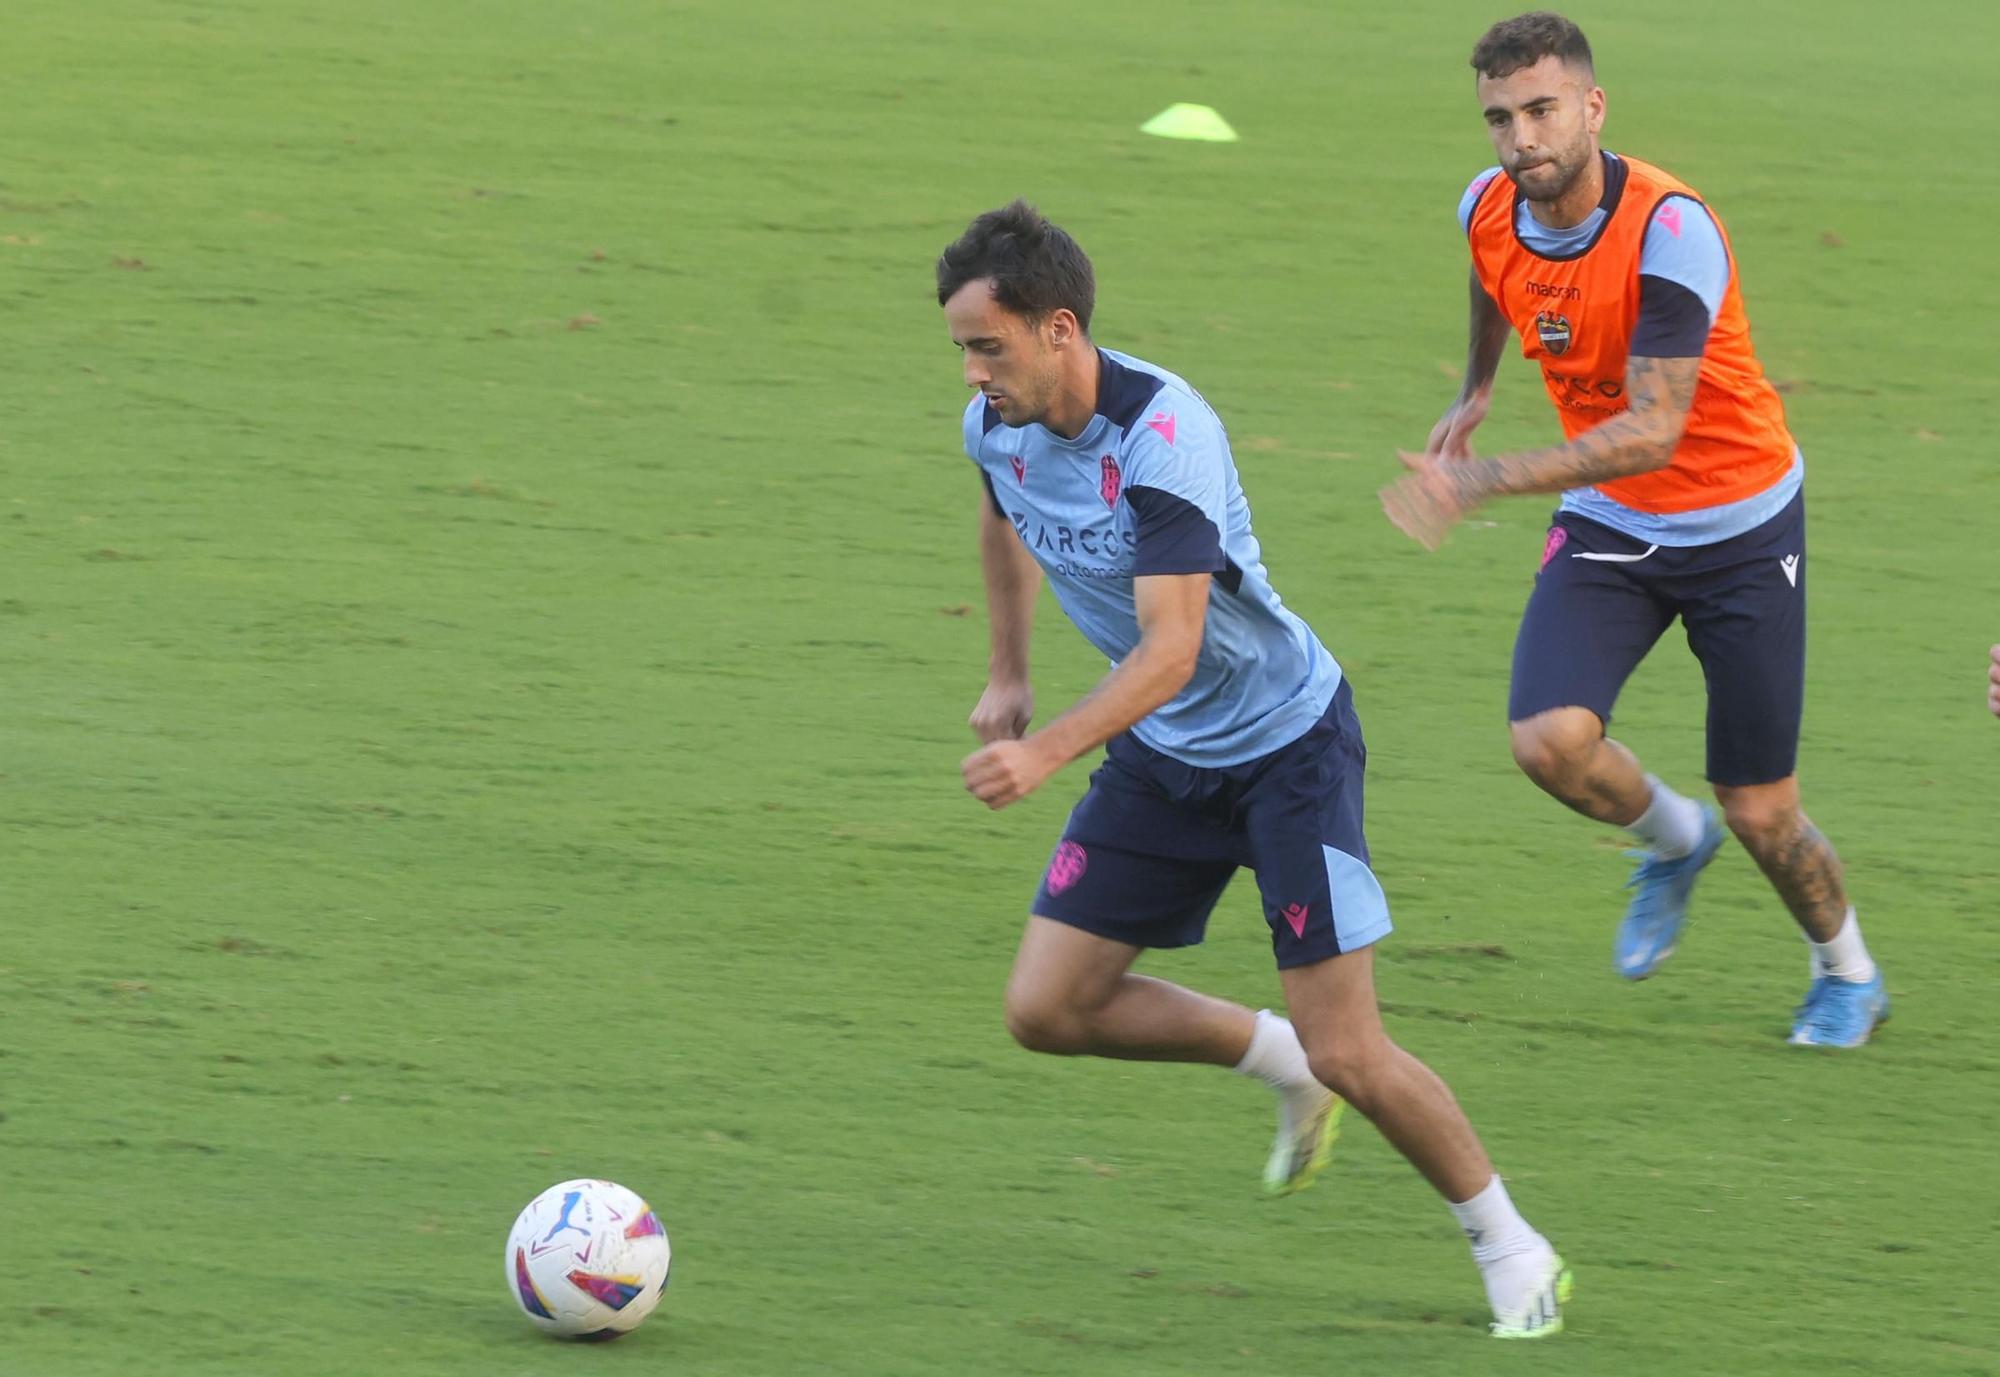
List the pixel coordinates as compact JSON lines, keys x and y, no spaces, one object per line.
{"x":1149,"y":487}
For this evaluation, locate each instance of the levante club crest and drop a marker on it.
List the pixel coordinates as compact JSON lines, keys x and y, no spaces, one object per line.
{"x":1554,"y":328}
{"x":1109,"y":481}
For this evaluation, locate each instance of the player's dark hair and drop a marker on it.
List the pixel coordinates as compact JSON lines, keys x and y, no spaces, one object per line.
{"x":1526,"y":39}
{"x":1036,"y":268}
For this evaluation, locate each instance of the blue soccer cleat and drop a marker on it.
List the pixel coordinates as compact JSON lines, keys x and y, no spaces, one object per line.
{"x":1840,"y":1013}
{"x":1653,"y":921}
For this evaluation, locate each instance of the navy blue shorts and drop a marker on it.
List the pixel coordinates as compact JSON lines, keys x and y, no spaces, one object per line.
{"x":1603,"y":598}
{"x":1147,"y":853}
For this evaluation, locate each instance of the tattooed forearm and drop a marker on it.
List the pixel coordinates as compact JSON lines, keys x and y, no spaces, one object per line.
{"x":1637,"y":440}
{"x":1802,"y":866}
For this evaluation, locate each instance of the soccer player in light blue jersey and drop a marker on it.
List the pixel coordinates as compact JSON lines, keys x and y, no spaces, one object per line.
{"x":1230,"y":740}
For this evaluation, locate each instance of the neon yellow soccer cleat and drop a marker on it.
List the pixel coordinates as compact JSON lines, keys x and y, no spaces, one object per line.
{"x":1306,"y":1134}
{"x":1541,"y":1317}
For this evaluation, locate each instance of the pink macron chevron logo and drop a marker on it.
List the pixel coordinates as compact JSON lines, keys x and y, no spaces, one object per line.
{"x":1163,"y":422}
{"x":1669,"y":217}
{"x":1296,"y":915}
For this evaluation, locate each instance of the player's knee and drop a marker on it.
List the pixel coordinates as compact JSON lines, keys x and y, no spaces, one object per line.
{"x":1044,"y":1025}
{"x":1761,"y":824}
{"x":1348,"y":1068}
{"x":1550,"y":752}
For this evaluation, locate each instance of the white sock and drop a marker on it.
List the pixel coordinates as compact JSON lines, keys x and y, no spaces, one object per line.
{"x":1493,"y":1226}
{"x":1846,"y":956}
{"x":1276,"y":1057}
{"x":1671,"y":824}
{"x":1513,"y":1259}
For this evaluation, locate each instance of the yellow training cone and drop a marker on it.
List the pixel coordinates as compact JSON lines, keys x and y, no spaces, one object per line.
{"x":1190,"y":122}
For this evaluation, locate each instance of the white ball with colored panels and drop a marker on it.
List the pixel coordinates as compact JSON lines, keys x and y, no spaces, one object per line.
{"x":587,"y":1259}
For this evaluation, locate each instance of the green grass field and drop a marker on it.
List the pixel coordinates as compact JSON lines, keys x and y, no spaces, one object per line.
{"x":490,"y":609}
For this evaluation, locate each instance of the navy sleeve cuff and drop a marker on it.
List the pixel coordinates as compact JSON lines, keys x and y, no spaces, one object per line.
{"x":1174,"y":535}
{"x":992,"y":496}
{"x":1673,"y":321}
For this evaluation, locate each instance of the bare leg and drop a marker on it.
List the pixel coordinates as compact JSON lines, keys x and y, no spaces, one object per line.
{"x":1566,"y":752}
{"x":1333,"y":1006}
{"x":1800,"y":863}
{"x":1073,"y":993}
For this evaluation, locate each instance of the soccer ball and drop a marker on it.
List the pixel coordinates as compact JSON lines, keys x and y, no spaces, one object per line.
{"x":587,"y":1260}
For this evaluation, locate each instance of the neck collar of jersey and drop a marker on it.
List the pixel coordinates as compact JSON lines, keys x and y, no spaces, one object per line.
{"x":1588,"y":230}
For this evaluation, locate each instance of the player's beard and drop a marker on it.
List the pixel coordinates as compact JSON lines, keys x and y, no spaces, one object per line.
{"x":1558,"y":174}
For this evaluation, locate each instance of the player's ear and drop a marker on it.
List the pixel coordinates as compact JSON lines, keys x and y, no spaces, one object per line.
{"x":1593,"y":104}
{"x":1063,"y":328}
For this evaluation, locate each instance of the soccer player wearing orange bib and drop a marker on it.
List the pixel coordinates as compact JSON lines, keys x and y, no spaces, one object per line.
{"x":1681,"y":497}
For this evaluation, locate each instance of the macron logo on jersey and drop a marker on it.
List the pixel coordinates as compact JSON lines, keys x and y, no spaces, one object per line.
{"x":1669,"y":218}
{"x":1020,"y":468}
{"x":1163,"y":423}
